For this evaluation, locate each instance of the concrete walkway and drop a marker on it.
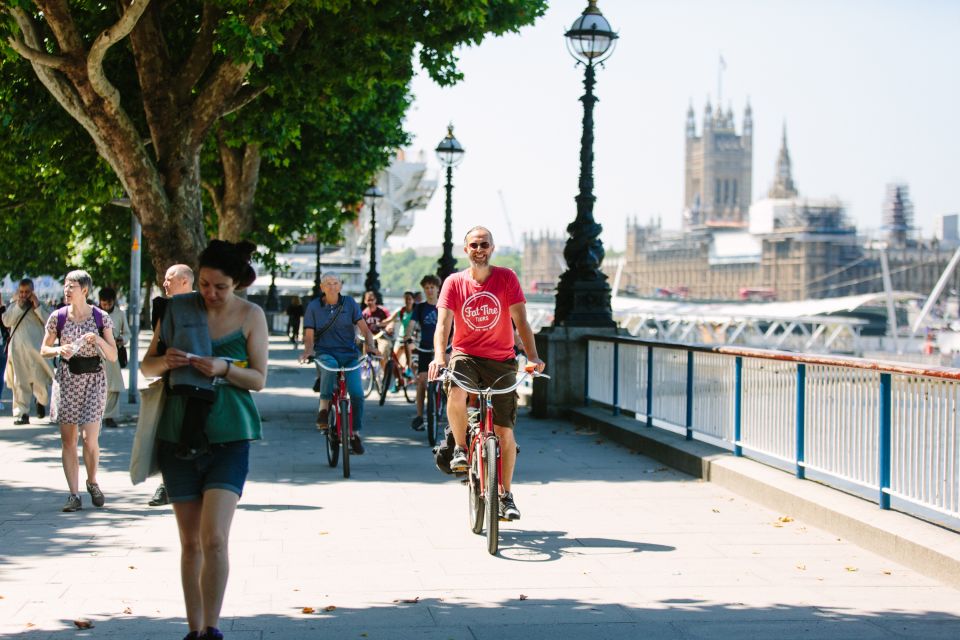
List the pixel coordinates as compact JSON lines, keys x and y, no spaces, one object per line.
{"x":611,"y":545}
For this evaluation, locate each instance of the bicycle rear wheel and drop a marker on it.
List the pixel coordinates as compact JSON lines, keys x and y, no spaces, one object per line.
{"x":407,"y":386}
{"x":491,"y":472}
{"x":345,"y":419}
{"x":385,"y":383}
{"x":333,"y":444}
{"x":476,"y":493}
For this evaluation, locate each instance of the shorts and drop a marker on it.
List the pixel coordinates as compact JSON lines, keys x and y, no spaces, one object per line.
{"x":484,"y":372}
{"x":225,"y":466}
{"x":384,"y":345}
{"x":424,"y":358}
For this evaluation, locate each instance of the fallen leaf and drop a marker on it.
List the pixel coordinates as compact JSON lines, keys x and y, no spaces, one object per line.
{"x":363,"y":635}
{"x":131,"y":567}
{"x":715,"y":510}
{"x":323,"y":533}
{"x":523,"y":597}
{"x":785,"y":519}
{"x":83,"y":624}
{"x":554,"y":431}
{"x":887,"y":572}
{"x":128,"y":610}
{"x":778,"y":525}
{"x":801,"y":566}
{"x":30,"y":625}
{"x":308,"y":610}
{"x":329,"y":607}
{"x":851,"y":569}
{"x":408,"y":600}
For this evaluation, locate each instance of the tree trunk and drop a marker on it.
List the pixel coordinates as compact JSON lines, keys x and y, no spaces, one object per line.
{"x":241,"y":172}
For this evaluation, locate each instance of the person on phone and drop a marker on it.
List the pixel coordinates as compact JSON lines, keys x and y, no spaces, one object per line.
{"x":27,"y":374}
{"x":205,"y":490}
{"x":121,"y":331}
{"x":478,"y":304}
{"x":82,"y":337}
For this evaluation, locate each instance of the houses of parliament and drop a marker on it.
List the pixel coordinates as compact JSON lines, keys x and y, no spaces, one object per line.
{"x":785,"y":246}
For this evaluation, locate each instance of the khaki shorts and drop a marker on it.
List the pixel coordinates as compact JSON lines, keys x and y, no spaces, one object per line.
{"x":384,"y":345}
{"x":483,"y":372}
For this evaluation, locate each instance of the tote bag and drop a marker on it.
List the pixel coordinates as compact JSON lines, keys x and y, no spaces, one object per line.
{"x":143,"y":457}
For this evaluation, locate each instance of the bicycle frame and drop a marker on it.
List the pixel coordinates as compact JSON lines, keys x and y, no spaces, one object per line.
{"x":340,"y":394}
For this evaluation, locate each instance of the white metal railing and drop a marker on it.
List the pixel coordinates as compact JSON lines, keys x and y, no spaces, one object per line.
{"x":886,"y":430}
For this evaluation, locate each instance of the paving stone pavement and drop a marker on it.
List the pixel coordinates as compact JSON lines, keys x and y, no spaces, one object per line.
{"x":611,"y":545}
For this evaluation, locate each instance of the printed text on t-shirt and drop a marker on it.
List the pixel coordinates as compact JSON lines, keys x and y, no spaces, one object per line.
{"x":481,"y":311}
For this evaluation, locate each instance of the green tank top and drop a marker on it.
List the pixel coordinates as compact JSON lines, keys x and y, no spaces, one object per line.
{"x":233,"y":416}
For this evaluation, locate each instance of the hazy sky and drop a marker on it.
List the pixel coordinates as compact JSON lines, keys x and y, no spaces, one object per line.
{"x":868,"y":89}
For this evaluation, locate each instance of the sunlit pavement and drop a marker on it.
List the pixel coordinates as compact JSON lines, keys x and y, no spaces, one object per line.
{"x":611,"y":545}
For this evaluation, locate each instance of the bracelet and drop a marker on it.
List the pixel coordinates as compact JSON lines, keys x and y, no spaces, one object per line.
{"x":227,"y":372}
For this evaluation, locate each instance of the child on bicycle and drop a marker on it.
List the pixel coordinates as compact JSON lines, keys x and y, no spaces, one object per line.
{"x":478,"y":303}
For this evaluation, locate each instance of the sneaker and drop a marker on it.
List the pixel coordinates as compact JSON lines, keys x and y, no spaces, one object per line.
{"x":193,"y":635}
{"x":212,"y":633}
{"x":160,"y":497}
{"x":73,"y":504}
{"x":508,"y":508}
{"x":323,"y":418}
{"x":408,"y":372}
{"x":41,"y":411}
{"x":96,"y":496}
{"x":110,"y":423}
{"x":356,"y":446}
{"x":23,"y":419}
{"x":417,"y":423}
{"x":458,"y":463}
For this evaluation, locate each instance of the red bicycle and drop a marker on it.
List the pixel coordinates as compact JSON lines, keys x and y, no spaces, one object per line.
{"x":483,"y":454}
{"x":394,"y":374}
{"x":339,"y":415}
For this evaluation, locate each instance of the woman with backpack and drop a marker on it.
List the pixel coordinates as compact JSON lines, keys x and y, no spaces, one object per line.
{"x":80,"y":335}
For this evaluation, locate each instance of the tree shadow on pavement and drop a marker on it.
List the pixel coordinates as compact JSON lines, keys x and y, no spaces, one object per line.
{"x":529,"y":618}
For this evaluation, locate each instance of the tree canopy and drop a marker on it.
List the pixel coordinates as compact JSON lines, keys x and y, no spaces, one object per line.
{"x":300,"y":99}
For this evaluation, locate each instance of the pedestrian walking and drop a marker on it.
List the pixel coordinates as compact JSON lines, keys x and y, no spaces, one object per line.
{"x":27,"y":374}
{"x":84,"y":338}
{"x":205,"y":489}
{"x":294,"y":316}
{"x":121,"y":332}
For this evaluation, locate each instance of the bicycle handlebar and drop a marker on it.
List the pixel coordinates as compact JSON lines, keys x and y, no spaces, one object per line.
{"x":454,"y":377}
{"x":312,"y":359}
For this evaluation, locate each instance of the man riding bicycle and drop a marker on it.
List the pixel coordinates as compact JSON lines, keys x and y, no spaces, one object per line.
{"x":472,"y":302}
{"x":329,"y":334}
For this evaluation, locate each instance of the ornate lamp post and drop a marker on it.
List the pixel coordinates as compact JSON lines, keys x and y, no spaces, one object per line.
{"x":372,"y":283}
{"x":450,"y":152}
{"x":583,"y":295}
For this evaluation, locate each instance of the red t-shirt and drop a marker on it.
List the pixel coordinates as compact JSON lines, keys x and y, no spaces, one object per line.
{"x":481,"y":312}
{"x":374,"y":318}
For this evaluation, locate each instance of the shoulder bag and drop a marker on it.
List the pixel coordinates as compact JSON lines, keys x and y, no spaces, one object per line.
{"x":143,"y":456}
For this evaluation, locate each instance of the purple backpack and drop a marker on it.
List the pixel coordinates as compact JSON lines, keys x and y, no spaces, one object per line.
{"x":62,"y":313}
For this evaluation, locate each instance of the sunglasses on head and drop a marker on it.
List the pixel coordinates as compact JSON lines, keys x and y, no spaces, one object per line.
{"x":479,"y":245}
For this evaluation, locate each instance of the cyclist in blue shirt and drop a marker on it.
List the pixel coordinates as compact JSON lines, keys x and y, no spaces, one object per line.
{"x":424,"y":317}
{"x":330,"y":327}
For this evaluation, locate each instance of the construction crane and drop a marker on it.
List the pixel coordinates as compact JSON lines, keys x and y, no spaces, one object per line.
{"x":506,"y":218}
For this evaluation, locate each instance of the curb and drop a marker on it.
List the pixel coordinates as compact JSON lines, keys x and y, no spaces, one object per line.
{"x":924,"y":547}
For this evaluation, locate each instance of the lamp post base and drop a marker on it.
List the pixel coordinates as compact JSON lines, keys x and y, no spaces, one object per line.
{"x":583,"y":303}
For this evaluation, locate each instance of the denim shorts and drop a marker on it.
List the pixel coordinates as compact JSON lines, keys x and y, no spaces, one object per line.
{"x":225,"y":466}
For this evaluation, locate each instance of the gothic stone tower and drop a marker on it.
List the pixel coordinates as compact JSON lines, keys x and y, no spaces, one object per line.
{"x":719,"y":169}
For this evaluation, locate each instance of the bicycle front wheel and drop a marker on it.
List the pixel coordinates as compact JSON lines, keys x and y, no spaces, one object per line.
{"x":368,"y":375}
{"x":385,"y":383}
{"x":491,"y":472}
{"x":333,"y":443}
{"x":476,"y":491}
{"x":345,"y":419}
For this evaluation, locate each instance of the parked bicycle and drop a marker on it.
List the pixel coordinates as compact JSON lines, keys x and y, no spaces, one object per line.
{"x":483,"y":454}
{"x":339,"y":415}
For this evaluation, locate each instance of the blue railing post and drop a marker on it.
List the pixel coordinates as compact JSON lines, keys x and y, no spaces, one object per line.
{"x":883,"y":448}
{"x":801,"y":416}
{"x":649,"y":385}
{"x":616,"y":378}
{"x":586,"y":376}
{"x":689,"y":395}
{"x":737,"y":404}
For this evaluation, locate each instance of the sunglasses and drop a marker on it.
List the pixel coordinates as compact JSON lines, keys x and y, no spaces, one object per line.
{"x":479,"y":245}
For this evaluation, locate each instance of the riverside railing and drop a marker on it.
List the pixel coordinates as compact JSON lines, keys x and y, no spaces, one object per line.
{"x":886,"y":431}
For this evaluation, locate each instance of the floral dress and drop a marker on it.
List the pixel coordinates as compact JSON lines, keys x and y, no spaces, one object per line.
{"x":78,"y":398}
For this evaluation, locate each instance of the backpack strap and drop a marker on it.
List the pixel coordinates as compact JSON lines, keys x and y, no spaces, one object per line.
{"x":62,"y":313}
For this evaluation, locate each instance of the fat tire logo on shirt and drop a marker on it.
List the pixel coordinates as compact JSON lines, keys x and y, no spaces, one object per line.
{"x":481,"y":311}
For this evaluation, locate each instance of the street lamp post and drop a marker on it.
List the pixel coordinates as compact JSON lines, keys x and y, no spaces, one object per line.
{"x":450,"y":152}
{"x":316,"y":277}
{"x":583,"y":295}
{"x":372,"y":282}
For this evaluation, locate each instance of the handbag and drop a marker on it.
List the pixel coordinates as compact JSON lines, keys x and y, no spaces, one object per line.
{"x":122,"y":356}
{"x":143,"y":456}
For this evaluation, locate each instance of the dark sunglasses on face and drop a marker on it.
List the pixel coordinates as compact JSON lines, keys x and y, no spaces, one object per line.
{"x":479,"y":245}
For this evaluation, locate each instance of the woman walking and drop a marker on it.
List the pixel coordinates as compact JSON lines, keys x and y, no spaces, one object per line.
{"x":84,"y":336}
{"x":205,"y":488}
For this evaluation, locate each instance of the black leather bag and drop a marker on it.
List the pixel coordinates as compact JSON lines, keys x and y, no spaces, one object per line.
{"x":78,"y":365}
{"x":122,"y":356}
